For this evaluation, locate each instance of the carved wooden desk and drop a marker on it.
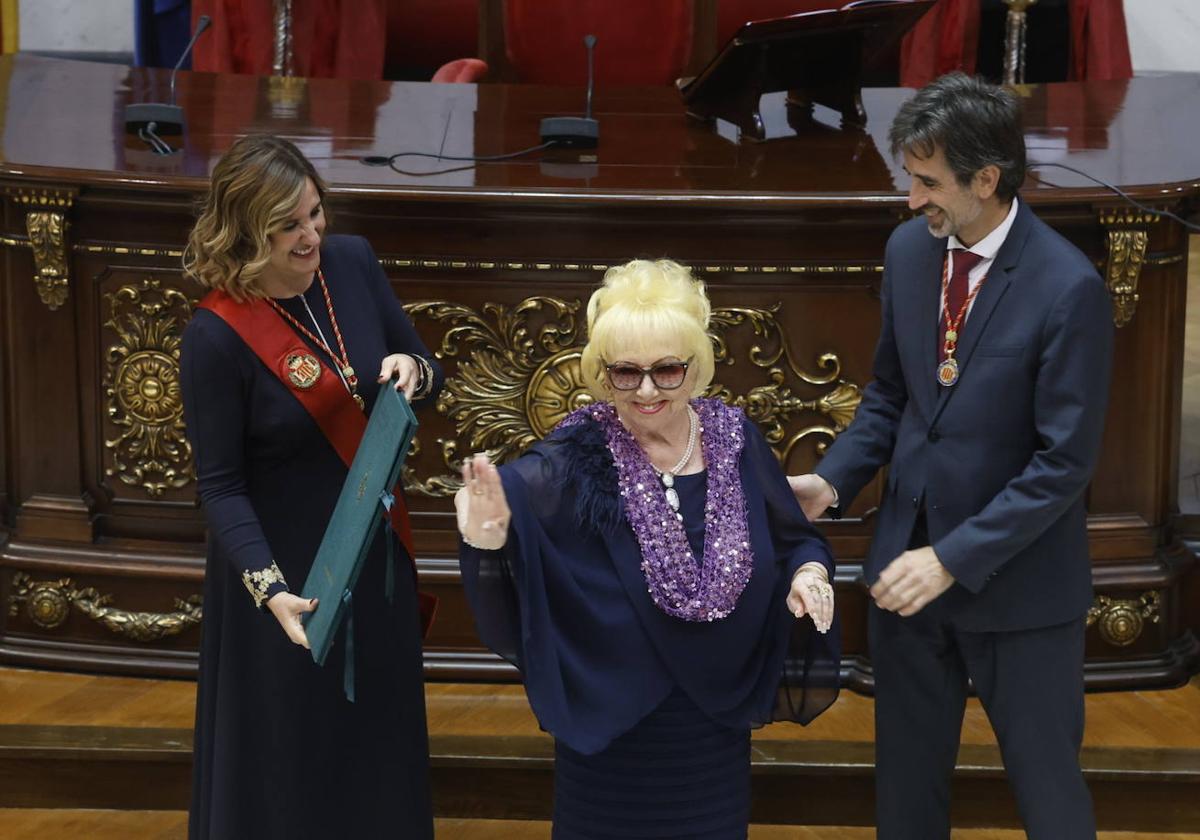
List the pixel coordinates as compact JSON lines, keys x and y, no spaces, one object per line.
{"x":102,"y":562}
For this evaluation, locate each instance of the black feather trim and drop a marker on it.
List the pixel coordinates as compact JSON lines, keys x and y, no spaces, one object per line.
{"x":590,"y":466}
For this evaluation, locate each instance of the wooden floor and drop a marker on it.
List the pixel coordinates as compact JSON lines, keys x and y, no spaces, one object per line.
{"x":1152,"y":719}
{"x":18,"y":824}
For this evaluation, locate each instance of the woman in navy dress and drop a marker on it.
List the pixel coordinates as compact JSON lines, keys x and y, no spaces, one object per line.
{"x":648,"y":569}
{"x":279,"y":749}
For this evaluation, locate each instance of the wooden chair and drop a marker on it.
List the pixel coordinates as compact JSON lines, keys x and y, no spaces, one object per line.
{"x":637,"y":42}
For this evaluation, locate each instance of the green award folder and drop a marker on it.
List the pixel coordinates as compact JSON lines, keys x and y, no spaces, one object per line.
{"x":360,"y":511}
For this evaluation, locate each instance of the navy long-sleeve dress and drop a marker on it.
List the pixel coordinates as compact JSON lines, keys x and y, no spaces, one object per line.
{"x":651,"y":714}
{"x":279,"y":750}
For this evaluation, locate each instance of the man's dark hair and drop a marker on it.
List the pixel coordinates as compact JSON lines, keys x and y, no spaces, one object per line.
{"x":974,"y":123}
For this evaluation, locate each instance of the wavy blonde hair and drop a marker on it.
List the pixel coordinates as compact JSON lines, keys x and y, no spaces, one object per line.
{"x":256,"y":186}
{"x":646,"y":303}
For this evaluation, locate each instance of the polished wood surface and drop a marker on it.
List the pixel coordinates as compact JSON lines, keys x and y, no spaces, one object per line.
{"x":70,"y":741}
{"x":1153,"y":720}
{"x":33,"y":824}
{"x":1135,"y":133}
{"x":102,"y":565}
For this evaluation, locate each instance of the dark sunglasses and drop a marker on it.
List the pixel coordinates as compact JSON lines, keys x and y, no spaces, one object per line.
{"x":666,"y":376}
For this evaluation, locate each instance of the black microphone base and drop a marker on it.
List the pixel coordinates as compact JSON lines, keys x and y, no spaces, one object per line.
{"x":167,"y":119}
{"x":571,"y":132}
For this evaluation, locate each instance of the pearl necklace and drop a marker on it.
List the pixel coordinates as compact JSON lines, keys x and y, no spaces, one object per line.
{"x":667,"y":477}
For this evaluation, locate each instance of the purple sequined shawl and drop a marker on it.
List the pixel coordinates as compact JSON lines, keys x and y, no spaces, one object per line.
{"x":680,"y":586}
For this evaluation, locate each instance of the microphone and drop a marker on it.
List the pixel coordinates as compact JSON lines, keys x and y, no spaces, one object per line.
{"x":157,"y":117}
{"x":575,"y":132}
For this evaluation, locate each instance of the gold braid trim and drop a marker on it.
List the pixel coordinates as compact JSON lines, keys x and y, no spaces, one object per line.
{"x":258,"y":582}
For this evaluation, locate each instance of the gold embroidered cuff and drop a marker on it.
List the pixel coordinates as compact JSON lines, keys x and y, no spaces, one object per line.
{"x":260,"y":581}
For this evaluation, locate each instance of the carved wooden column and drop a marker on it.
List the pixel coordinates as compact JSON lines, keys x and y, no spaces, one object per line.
{"x":45,"y":490}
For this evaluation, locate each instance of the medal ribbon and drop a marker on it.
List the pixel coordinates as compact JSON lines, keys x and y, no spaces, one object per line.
{"x":336,"y":415}
{"x":342,"y":360}
{"x":953,"y":324}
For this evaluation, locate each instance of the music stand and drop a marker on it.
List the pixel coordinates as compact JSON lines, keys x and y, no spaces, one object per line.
{"x":818,"y":57}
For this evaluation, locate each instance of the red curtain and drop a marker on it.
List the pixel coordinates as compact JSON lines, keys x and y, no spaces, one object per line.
{"x":330,"y":38}
{"x":1099,"y":41}
{"x":945,"y":39}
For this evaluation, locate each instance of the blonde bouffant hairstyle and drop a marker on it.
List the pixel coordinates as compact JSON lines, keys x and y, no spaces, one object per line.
{"x":644,"y":304}
{"x":256,"y":186}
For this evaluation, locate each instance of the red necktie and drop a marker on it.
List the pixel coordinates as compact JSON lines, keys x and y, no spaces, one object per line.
{"x":956,"y":293}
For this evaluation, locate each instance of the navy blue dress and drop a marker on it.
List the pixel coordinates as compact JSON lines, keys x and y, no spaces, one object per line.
{"x":651,"y":714}
{"x":279,"y":751}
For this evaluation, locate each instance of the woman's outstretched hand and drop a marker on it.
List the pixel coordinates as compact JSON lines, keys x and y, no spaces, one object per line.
{"x":481,"y":505}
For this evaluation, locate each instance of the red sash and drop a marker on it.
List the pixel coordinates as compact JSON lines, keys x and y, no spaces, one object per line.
{"x":326,"y":400}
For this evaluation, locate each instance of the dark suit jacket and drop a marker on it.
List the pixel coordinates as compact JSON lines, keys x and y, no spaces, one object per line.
{"x":999,"y":461}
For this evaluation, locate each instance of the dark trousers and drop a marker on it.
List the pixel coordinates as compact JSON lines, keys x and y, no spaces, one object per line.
{"x":1031,"y":685}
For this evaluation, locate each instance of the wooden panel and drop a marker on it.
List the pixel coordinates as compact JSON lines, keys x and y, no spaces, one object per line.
{"x":788,"y":235}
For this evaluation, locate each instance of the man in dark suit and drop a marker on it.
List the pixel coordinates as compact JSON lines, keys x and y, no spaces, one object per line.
{"x":990,"y":386}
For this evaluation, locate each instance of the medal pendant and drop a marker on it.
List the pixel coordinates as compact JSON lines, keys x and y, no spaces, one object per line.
{"x":360,"y":401}
{"x":947,"y":372}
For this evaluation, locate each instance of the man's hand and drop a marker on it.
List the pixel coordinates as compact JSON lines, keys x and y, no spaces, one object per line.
{"x":814,"y":494}
{"x":911,"y":581}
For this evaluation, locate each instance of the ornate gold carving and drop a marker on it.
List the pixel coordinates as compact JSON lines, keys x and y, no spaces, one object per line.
{"x":1128,"y":237}
{"x":125,"y":250}
{"x":448,"y":264}
{"x":518,"y":375}
{"x":1126,"y":215}
{"x":46,"y":224}
{"x":47,"y":237}
{"x":506,"y":347}
{"x":141,"y":385}
{"x":1126,"y":254}
{"x":772,"y":405}
{"x":48,"y":604}
{"x":1121,"y":621}
{"x":555,"y":389}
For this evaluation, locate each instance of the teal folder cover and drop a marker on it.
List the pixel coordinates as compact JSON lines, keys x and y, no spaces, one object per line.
{"x":360,"y":511}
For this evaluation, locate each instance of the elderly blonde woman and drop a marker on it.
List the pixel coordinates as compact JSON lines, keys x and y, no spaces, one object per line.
{"x":273,"y":406}
{"x":649,"y":571}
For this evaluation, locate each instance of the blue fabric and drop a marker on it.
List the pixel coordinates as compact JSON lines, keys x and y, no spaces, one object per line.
{"x":161,"y":30}
{"x":674,"y":775}
{"x":279,"y":752}
{"x":567,"y":602}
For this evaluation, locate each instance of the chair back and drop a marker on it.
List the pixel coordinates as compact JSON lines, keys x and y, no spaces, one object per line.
{"x":637,"y":42}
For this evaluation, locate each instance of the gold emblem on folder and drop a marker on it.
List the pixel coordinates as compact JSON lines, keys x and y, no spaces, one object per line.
{"x":303,"y":370}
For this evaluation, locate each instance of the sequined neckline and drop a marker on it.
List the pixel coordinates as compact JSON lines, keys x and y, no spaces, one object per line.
{"x":679,"y":585}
